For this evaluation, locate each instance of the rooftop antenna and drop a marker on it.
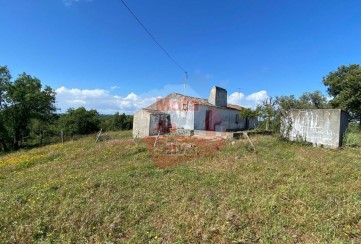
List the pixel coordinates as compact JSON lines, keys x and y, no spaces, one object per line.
{"x":185,"y":83}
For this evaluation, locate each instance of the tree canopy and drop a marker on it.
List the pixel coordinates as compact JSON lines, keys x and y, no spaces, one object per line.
{"x":80,"y":121}
{"x":22,"y":100}
{"x":5,"y":78}
{"x":308,"y":100}
{"x":28,"y":118}
{"x":270,"y":110}
{"x":344,"y":85}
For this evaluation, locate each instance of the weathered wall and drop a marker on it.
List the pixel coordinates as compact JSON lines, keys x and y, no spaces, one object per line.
{"x":158,"y":124}
{"x":343,"y":125}
{"x":181,"y":119}
{"x":319,"y":126}
{"x":141,"y":122}
{"x":222,"y":119}
{"x":181,"y":111}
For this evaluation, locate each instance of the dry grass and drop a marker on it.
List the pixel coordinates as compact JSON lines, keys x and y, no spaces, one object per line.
{"x":111,"y":192}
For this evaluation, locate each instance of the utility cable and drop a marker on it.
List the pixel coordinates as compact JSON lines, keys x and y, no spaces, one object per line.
{"x":155,"y":40}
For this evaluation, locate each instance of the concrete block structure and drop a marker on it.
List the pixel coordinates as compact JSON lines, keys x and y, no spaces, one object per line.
{"x":218,"y":96}
{"x":149,"y":122}
{"x":324,"y":127}
{"x":178,"y":113}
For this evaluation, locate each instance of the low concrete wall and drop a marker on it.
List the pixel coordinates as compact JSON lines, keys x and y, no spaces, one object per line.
{"x":207,"y":133}
{"x":183,"y":132}
{"x":318,"y":126}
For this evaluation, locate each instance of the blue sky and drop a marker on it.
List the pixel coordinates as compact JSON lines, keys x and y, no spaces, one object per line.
{"x":94,"y":53}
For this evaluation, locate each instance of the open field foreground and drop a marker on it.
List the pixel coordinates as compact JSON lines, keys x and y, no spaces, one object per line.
{"x":111,"y":192}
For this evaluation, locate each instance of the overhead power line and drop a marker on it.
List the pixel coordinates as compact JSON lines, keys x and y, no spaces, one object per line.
{"x":155,"y":40}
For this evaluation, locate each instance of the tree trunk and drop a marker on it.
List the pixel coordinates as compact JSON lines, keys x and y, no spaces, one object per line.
{"x":267,"y":124}
{"x":41,"y":138}
{"x":16,"y":141}
{"x":3,"y":146}
{"x":15,"y":144}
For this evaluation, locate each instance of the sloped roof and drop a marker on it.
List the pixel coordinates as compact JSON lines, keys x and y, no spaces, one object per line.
{"x":234,"y":106}
{"x":153,"y":111}
{"x":194,"y":100}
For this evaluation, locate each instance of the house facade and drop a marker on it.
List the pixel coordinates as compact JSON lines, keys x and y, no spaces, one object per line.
{"x":177,"y":112}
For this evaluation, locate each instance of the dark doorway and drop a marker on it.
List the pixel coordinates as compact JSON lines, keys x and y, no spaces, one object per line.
{"x":209,"y":125}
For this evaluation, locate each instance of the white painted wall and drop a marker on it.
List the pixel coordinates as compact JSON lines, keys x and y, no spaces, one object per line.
{"x":141,"y":122}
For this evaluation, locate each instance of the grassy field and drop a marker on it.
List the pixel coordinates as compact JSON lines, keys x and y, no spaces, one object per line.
{"x":81,"y":192}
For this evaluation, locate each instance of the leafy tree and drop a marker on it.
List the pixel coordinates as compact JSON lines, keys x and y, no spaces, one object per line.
{"x":313,"y":100}
{"x":44,"y":130}
{"x":267,"y":111}
{"x":122,"y":121}
{"x":22,"y":100}
{"x":271,"y":109}
{"x":344,"y":85}
{"x":308,"y":100}
{"x":248,"y":113}
{"x":118,"y":121}
{"x":128,"y":124}
{"x":5,"y":78}
{"x":80,"y":121}
{"x":288,"y":102}
{"x":106,"y":122}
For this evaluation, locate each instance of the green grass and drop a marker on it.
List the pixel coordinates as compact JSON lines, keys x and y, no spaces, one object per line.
{"x":353,"y":136}
{"x":80,"y":192}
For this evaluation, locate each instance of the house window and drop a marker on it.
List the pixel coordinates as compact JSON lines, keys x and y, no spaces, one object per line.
{"x":237,"y":118}
{"x":185,"y":106}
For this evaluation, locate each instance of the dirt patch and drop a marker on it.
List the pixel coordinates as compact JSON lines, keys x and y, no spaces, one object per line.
{"x":172,"y":150}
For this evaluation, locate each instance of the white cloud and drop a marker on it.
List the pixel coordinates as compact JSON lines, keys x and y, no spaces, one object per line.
{"x":257,"y":96}
{"x":107,"y":103}
{"x":101,"y":100}
{"x":236,"y":98}
{"x":249,"y":101}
